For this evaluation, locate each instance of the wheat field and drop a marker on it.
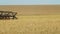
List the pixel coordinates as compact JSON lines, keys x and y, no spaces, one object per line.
{"x":32,"y":20}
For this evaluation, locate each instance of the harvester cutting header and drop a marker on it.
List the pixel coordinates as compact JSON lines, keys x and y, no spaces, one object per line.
{"x":7,"y":15}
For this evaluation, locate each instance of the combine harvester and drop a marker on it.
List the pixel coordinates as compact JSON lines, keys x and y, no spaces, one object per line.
{"x":8,"y":15}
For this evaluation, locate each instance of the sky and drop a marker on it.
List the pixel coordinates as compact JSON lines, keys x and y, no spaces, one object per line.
{"x":28,"y":2}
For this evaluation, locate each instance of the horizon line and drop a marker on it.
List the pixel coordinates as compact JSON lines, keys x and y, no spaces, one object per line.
{"x":29,"y":4}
